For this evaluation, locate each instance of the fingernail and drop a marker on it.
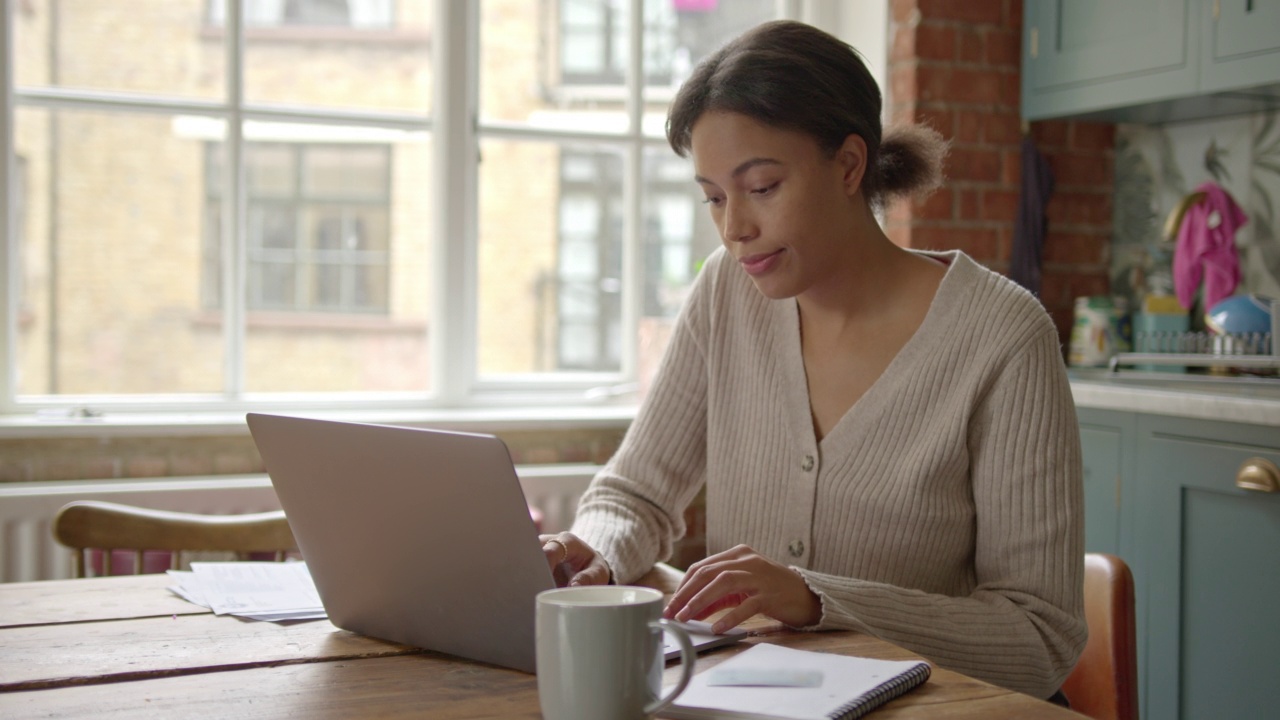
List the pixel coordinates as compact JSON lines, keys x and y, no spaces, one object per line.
{"x":717,"y":628}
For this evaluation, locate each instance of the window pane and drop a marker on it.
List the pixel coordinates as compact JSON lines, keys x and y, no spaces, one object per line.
{"x":550,"y":257}
{"x":368,"y":54}
{"x":347,"y":170}
{"x":512,"y":71}
{"x":98,"y":47}
{"x":528,"y":49}
{"x":679,"y":34}
{"x":677,"y":234}
{"x":112,"y":257}
{"x":564,"y":68}
{"x":270,"y":169}
{"x":271,"y":226}
{"x":584,"y":53}
{"x":343,"y":305}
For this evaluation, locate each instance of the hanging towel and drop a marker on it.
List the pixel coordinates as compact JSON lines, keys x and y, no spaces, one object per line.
{"x":1206,"y":248}
{"x":1029,"y":230}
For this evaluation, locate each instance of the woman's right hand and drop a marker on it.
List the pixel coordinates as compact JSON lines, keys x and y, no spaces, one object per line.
{"x":573,"y":562}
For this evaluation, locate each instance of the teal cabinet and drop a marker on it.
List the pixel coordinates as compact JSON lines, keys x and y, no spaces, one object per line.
{"x":1149,"y":60}
{"x":1080,"y":56}
{"x":1109,"y":450}
{"x":1210,"y":554}
{"x":1241,"y":45}
{"x":1107,"y":444}
{"x":1161,"y":492}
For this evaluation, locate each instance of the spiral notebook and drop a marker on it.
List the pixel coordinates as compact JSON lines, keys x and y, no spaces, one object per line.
{"x":849,"y":687}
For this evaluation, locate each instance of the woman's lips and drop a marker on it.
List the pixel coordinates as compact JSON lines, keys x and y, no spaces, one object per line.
{"x":760,"y":263}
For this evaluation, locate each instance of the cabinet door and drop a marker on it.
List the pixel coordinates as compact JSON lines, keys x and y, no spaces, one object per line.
{"x":1241,"y":44}
{"x":1106,"y":444}
{"x":1089,"y":55}
{"x":1212,"y":557}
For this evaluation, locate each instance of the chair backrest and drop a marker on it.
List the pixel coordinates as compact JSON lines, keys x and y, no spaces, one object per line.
{"x":93,"y":525}
{"x":1104,"y":683}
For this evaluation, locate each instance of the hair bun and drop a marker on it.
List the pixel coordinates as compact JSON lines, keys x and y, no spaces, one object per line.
{"x":910,"y":160}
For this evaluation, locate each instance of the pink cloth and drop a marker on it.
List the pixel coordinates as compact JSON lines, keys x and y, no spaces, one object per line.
{"x":1206,"y":248}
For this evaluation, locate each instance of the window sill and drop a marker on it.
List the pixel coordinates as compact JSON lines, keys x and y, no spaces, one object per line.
{"x":315,"y":321}
{"x":484,"y":420}
{"x":373,"y":37}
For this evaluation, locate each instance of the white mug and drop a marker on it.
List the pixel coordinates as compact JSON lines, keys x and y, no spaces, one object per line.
{"x":600,"y":653}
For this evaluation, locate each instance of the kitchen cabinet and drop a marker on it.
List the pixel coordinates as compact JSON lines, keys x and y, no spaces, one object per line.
{"x":1149,"y":60}
{"x":1086,"y":55}
{"x":1161,"y":492}
{"x":1211,"y":557}
{"x":1108,"y":447}
{"x":1241,"y":45}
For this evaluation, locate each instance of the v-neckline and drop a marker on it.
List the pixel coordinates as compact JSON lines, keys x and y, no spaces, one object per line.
{"x":801,"y":407}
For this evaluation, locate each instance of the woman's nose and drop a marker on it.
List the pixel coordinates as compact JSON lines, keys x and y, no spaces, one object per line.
{"x":738,"y":225}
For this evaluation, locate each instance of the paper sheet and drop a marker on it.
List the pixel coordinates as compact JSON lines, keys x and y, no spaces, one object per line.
{"x":258,"y":590}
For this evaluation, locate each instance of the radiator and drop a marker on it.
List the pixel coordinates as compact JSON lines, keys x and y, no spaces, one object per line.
{"x":29,"y":552}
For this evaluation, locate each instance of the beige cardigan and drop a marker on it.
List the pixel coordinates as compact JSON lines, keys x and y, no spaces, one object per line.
{"x":943,"y":512}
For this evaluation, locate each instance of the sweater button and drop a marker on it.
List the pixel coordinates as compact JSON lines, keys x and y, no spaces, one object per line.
{"x":796,"y":548}
{"x":807,"y":464}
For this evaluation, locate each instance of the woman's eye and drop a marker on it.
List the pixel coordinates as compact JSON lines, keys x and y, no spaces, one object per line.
{"x":713,"y":201}
{"x":764,"y":190}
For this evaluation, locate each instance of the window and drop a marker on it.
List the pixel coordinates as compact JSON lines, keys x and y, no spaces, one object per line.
{"x":588,"y":277}
{"x":587,"y":236}
{"x":594,"y":41}
{"x":345,"y":203}
{"x":318,"y":235}
{"x":588,"y":268}
{"x":308,"y":13}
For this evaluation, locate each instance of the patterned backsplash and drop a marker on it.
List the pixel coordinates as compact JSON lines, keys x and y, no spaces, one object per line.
{"x":1156,"y":165}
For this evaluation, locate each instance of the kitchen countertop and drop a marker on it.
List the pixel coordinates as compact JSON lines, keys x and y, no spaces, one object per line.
{"x":1252,"y":400}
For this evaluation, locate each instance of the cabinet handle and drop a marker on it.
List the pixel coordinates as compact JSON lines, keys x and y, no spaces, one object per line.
{"x":1035,"y":43}
{"x":1259,"y":475}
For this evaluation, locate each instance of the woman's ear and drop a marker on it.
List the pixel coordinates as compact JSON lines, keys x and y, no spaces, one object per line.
{"x":852,"y":157}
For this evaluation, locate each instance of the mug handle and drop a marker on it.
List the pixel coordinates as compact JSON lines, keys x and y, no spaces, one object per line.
{"x":687,"y":659}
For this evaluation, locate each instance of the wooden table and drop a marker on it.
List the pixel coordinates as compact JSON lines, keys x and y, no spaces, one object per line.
{"x":124,"y":647}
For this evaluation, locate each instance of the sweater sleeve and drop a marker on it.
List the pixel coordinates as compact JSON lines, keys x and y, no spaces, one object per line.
{"x":1023,"y":626}
{"x":633,"y":511}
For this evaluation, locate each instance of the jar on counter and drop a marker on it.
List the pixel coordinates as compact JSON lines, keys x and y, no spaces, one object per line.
{"x":1100,"y":329}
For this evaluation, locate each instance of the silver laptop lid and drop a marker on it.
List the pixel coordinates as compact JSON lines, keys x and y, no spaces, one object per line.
{"x":421,"y":537}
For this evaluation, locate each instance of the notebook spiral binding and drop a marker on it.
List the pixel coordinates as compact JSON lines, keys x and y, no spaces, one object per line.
{"x":899,"y":685}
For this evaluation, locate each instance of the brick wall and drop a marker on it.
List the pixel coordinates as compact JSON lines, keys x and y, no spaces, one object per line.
{"x":955,"y":66}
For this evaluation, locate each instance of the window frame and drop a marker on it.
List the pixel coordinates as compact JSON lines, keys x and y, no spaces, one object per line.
{"x":456,"y":130}
{"x":304,"y":258}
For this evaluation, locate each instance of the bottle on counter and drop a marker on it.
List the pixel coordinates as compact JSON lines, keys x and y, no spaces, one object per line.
{"x":1101,"y":328}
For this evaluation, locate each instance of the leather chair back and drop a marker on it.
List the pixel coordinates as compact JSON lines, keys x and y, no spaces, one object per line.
{"x":1104,"y":683}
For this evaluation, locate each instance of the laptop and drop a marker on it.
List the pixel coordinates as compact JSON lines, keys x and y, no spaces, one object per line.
{"x":422,"y":537}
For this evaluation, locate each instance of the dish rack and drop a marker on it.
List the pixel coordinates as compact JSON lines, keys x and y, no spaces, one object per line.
{"x":1252,"y":351}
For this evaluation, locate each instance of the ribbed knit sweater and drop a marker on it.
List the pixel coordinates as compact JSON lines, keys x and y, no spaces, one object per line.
{"x":943,"y":512}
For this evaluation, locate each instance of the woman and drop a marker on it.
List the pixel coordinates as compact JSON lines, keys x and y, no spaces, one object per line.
{"x":886,"y":437}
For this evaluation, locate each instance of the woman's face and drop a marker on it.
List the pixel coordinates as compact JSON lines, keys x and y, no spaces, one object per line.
{"x":781,"y":204}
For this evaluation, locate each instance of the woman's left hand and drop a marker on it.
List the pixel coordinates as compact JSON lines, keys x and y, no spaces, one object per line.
{"x":749,"y":583}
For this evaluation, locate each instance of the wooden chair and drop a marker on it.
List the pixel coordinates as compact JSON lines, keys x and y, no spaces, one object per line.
{"x":1104,"y":683}
{"x":93,"y":525}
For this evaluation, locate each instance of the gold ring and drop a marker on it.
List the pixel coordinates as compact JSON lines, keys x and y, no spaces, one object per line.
{"x":564,"y":550}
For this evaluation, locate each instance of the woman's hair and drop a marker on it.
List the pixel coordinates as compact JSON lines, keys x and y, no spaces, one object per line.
{"x":793,"y":76}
